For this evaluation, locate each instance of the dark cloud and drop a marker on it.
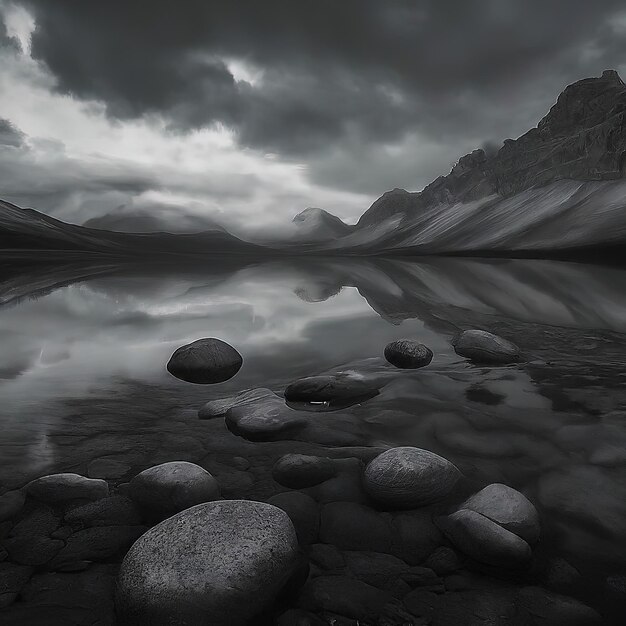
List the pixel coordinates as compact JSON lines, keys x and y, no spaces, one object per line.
{"x":332,"y":69}
{"x":9,"y":135}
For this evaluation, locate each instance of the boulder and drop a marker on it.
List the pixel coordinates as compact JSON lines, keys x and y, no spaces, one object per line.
{"x":205,"y":361}
{"x":483,"y":347}
{"x":407,"y":354}
{"x":11,"y":504}
{"x":172,"y":487}
{"x":484,"y":540}
{"x":443,"y":560}
{"x":406,"y":478}
{"x":218,"y":407}
{"x":62,"y":488}
{"x":508,"y":508}
{"x":298,"y":471}
{"x":303,"y":513}
{"x":219,"y":563}
{"x":340,"y":389}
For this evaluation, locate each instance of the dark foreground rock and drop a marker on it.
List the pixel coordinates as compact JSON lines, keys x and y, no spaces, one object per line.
{"x":205,"y":361}
{"x":485,"y":348}
{"x":484,"y":540}
{"x":172,"y":487}
{"x":407,"y":354}
{"x":236,"y":556}
{"x":406,"y":478}
{"x":297,"y":471}
{"x":508,"y":508}
{"x":62,"y":488}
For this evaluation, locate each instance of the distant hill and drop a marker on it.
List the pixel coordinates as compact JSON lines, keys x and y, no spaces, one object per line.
{"x":315,"y":224}
{"x":29,"y":230}
{"x":126,"y":220}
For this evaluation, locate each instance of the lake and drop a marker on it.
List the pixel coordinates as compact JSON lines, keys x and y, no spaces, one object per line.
{"x":83,"y":378}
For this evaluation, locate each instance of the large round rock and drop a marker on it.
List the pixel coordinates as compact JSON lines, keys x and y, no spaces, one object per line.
{"x":205,"y":361}
{"x":407,"y":354}
{"x":483,"y":347}
{"x":406,"y":478}
{"x":172,"y":487}
{"x":219,"y":563}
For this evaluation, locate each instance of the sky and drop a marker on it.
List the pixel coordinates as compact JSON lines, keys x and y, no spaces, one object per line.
{"x":243,"y":113}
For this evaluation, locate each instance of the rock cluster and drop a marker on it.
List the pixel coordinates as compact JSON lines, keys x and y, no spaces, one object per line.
{"x":494,"y":526}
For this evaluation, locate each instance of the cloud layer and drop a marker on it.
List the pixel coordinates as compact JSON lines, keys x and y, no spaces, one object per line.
{"x":325,"y":104}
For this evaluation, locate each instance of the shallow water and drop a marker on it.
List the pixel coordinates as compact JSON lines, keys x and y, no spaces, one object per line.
{"x":82,"y":374}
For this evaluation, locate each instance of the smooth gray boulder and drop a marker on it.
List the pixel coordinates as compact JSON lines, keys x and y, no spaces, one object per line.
{"x":507,"y":507}
{"x":481,"y":346}
{"x":219,"y":563}
{"x":205,"y":361}
{"x":484,"y":540}
{"x":219,"y":406}
{"x":172,"y":487}
{"x":61,"y":488}
{"x":406,"y":478}
{"x":298,"y":471}
{"x":407,"y":354}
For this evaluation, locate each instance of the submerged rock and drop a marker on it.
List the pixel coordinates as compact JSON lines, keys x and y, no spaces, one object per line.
{"x":218,"y":407}
{"x":483,"y":347}
{"x":484,"y":540}
{"x":171,"y":487}
{"x":406,"y":478}
{"x":219,"y":563}
{"x":303,"y":513}
{"x":266,"y":419}
{"x":205,"y":361}
{"x":508,"y":508}
{"x":61,"y":488}
{"x":407,"y":354}
{"x":298,"y":471}
{"x":329,"y":389}
{"x":12,"y":579}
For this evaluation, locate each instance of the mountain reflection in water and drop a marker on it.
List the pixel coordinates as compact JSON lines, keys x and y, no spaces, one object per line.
{"x":82,"y":372}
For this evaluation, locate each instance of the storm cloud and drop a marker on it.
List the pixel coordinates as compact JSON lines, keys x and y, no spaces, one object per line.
{"x":360,"y":95}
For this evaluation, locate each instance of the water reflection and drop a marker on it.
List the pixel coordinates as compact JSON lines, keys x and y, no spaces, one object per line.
{"x":82,"y":372}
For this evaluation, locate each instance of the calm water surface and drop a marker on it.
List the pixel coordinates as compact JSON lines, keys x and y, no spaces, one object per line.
{"x":82,"y":372}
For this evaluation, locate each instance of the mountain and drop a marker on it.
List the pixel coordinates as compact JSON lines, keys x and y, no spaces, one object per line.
{"x":158,"y":219}
{"x":560,"y":186}
{"x":30,"y":232}
{"x":315,"y":224}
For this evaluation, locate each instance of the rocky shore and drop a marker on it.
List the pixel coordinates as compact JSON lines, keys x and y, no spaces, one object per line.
{"x":295,"y":522}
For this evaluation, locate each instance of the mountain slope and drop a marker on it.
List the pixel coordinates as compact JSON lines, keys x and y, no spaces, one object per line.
{"x":559,"y":186}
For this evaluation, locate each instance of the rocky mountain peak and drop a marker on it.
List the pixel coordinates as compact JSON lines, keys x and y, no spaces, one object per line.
{"x":582,"y":137}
